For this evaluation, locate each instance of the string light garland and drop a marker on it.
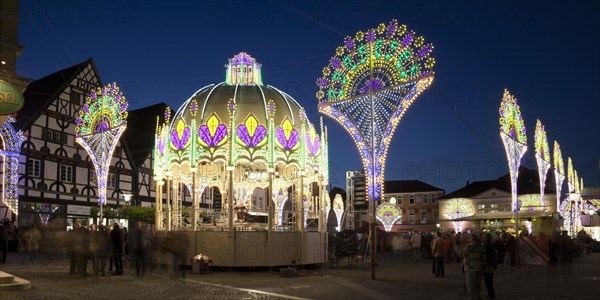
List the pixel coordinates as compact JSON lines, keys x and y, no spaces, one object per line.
{"x":101,"y":122}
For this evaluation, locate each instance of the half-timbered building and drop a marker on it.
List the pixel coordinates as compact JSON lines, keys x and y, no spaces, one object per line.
{"x":57,"y":178}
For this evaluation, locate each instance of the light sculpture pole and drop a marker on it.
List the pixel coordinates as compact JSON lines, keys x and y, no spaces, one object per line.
{"x":101,"y":122}
{"x":512,"y":132}
{"x":367,"y":87}
{"x":542,"y":157}
{"x":559,"y":173}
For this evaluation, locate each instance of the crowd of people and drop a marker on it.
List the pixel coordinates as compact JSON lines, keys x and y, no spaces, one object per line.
{"x":96,"y":250}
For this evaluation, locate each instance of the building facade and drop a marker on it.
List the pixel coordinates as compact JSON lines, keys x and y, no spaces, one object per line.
{"x":488,"y":204}
{"x":417,"y":201}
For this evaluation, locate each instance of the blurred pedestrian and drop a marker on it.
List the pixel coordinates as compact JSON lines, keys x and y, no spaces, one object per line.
{"x":3,"y":241}
{"x":473,"y":263}
{"x":139,"y":243}
{"x":81,"y":245}
{"x":415,"y":241}
{"x":437,"y":249}
{"x":116,"y":237}
{"x":490,"y":265}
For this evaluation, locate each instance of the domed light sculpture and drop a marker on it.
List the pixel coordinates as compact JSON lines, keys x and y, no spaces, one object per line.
{"x":252,"y":142}
{"x":368,"y":86}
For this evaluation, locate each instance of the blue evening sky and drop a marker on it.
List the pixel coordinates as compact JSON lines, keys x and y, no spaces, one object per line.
{"x":546,"y":53}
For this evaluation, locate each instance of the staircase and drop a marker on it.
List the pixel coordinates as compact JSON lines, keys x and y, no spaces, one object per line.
{"x":10,"y":282}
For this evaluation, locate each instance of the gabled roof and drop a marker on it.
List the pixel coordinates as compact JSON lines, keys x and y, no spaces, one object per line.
{"x":409,"y":186}
{"x":40,"y":93}
{"x":527,"y":183}
{"x":141,"y":127}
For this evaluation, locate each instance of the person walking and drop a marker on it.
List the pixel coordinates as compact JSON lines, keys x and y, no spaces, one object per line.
{"x":437,"y":249}
{"x":473,"y":264}
{"x":415,"y":241}
{"x":82,"y":248}
{"x":3,"y":241}
{"x":116,"y":237}
{"x":490,"y":265}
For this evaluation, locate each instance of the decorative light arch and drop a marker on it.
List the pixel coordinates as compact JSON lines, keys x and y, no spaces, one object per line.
{"x":457,"y":209}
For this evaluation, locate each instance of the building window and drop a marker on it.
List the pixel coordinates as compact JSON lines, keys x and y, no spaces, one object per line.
{"x":436,"y":216}
{"x":76,"y":97}
{"x":52,"y":136}
{"x":424,"y":216}
{"x":433,"y":198}
{"x":34,"y":167}
{"x":66,"y":173}
{"x":399,"y":200}
{"x":481,"y":208}
{"x":411,"y":200}
{"x":493,"y":208}
{"x":112,"y":181}
{"x":426,"y":199}
{"x":411,"y":217}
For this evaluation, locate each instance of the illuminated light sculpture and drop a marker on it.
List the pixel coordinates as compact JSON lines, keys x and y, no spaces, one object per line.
{"x":101,"y":122}
{"x":542,"y":157}
{"x":529,"y":202}
{"x":559,"y":173}
{"x":338,"y":209}
{"x":10,"y":149}
{"x":253,"y":144}
{"x":368,"y":86}
{"x":388,"y":214}
{"x":512,"y":132}
{"x":458,"y":208}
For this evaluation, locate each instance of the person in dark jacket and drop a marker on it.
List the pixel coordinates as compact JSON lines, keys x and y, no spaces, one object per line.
{"x":81,"y":246}
{"x":116,"y":236}
{"x":490,"y":266}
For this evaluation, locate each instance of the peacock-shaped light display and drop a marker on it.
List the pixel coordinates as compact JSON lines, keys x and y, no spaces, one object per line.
{"x":512,"y":132}
{"x":542,"y":157}
{"x":101,"y":122}
{"x":369,"y":84}
{"x":559,"y":172}
{"x":388,"y":214}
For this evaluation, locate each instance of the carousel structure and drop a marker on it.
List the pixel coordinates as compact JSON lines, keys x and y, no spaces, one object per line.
{"x":241,"y":169}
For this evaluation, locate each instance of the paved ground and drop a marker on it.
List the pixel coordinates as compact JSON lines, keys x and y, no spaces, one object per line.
{"x":579,"y":279}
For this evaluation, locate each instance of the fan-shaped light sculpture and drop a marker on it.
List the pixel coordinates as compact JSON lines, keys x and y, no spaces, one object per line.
{"x":559,"y":172}
{"x":101,"y":122}
{"x":542,"y":157}
{"x":512,"y":132}
{"x":368,"y":85}
{"x":388,"y":214}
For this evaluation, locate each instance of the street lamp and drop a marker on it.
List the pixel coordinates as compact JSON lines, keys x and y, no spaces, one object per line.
{"x":127,"y":198}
